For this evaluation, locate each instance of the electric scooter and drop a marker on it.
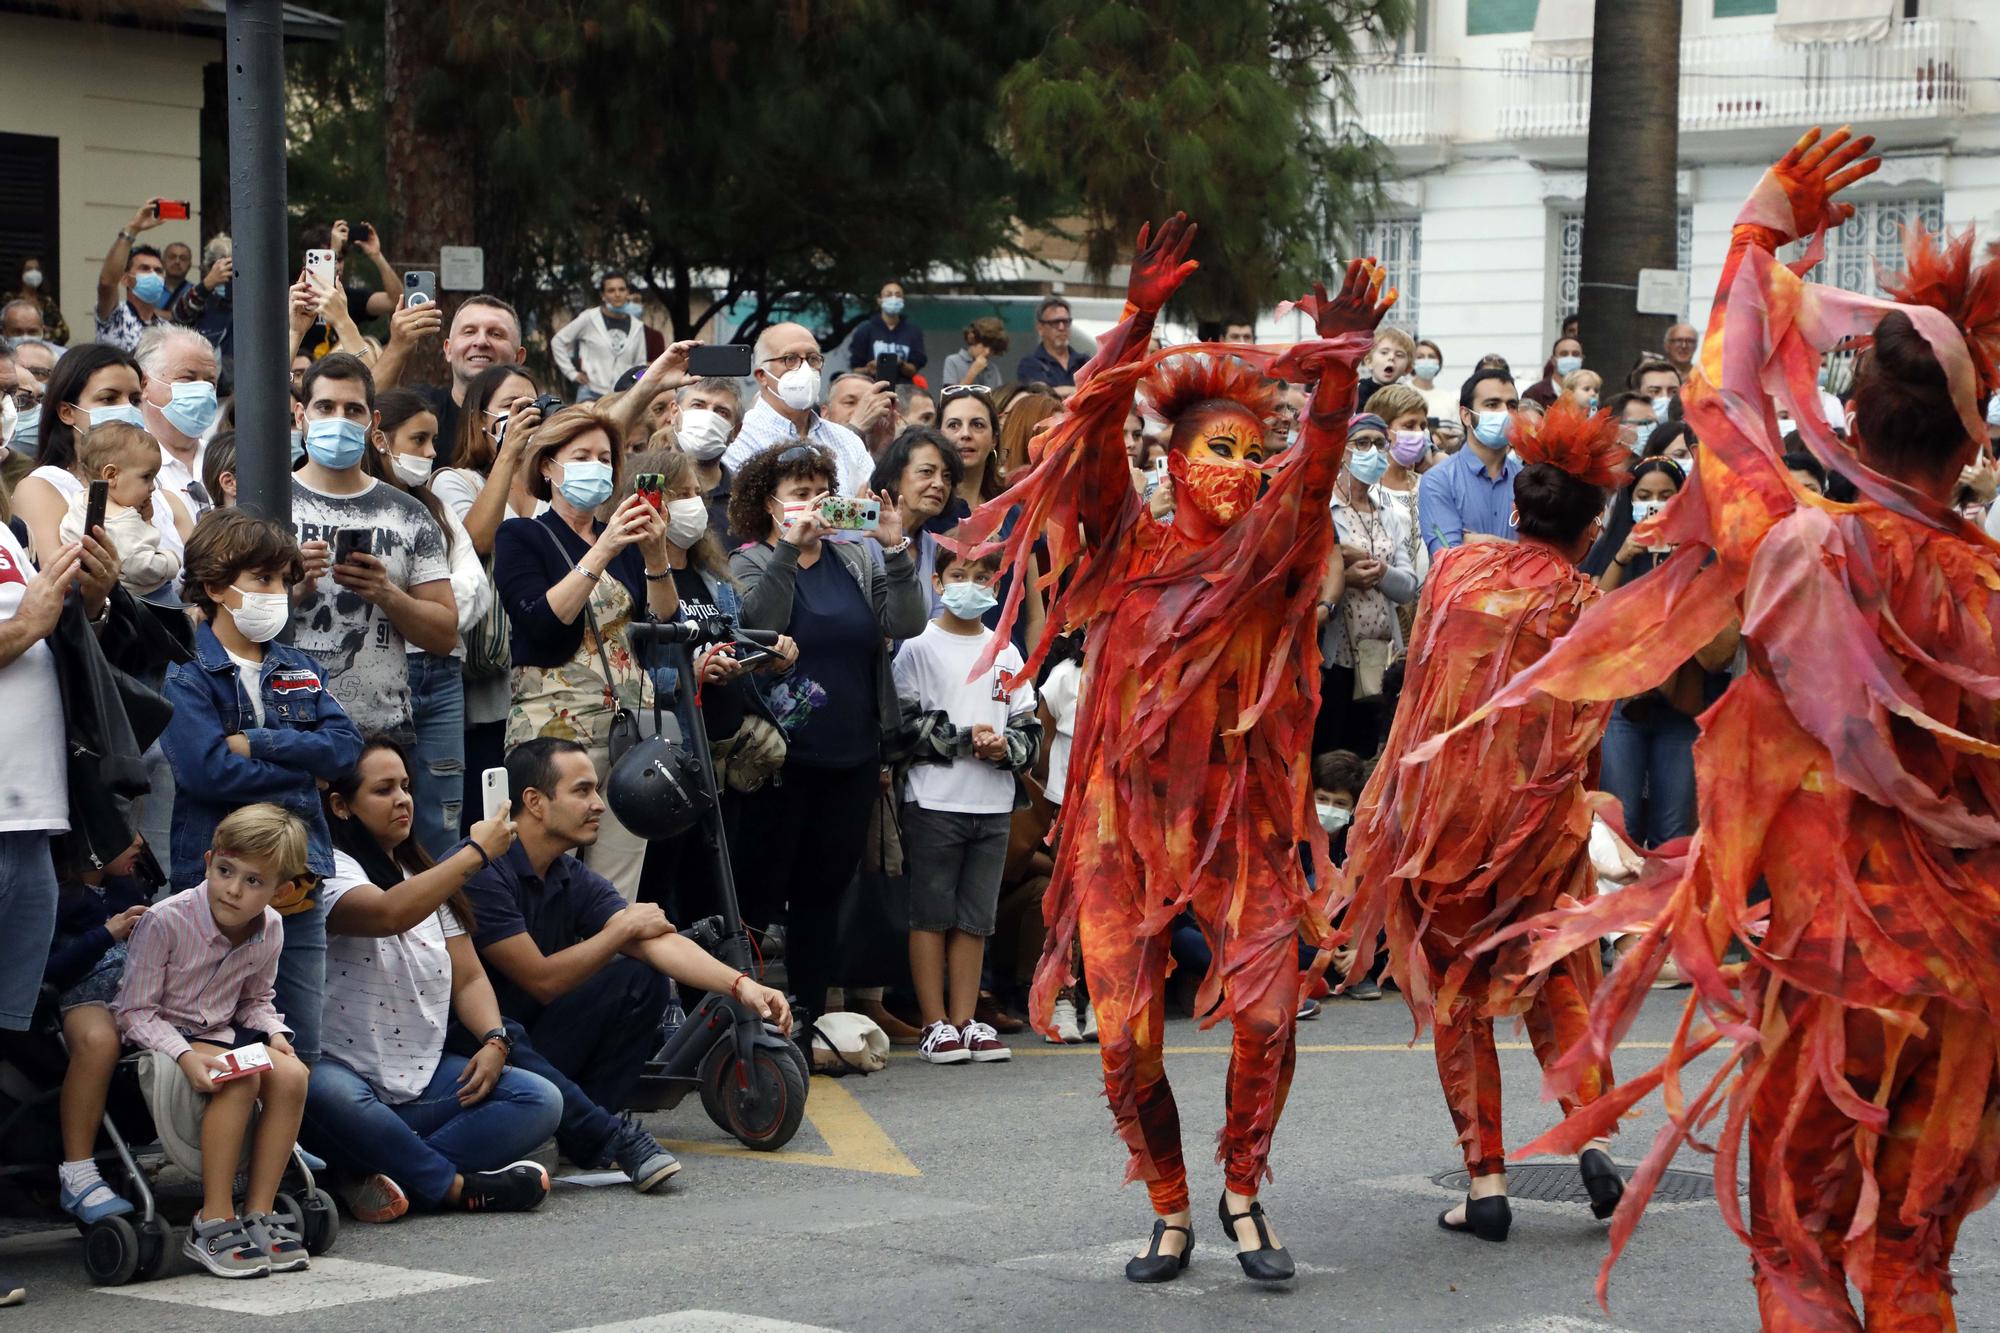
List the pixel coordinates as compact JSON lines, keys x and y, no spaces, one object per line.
{"x":753,"y":1080}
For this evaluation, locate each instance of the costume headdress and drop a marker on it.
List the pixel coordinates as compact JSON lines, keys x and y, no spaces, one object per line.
{"x":1938,"y":273}
{"x":1567,"y":437}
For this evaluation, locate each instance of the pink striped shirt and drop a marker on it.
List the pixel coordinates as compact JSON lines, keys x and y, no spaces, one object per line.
{"x":184,"y":979}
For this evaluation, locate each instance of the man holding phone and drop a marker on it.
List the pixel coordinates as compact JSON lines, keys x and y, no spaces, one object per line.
{"x":132,"y":293}
{"x":602,"y":343}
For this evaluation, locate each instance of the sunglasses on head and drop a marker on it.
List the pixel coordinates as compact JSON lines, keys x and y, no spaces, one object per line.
{"x":952,"y":391}
{"x":799,"y":453}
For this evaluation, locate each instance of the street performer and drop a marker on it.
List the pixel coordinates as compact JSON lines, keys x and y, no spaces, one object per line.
{"x":1849,"y":841}
{"x":1493,"y":825}
{"x":1189,"y":784}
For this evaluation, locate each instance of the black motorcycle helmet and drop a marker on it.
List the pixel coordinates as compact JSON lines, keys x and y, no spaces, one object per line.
{"x":656,"y":790}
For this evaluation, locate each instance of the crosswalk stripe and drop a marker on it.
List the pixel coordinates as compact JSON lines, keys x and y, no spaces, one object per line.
{"x":329,"y":1282}
{"x":704,"y":1321}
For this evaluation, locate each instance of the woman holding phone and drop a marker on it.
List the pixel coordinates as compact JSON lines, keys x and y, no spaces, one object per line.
{"x":803,"y":834}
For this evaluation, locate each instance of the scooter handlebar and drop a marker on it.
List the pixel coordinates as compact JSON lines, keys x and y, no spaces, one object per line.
{"x":692,"y":632}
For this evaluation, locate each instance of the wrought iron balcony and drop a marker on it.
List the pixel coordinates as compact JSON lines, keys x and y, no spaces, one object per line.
{"x":1401,"y":98}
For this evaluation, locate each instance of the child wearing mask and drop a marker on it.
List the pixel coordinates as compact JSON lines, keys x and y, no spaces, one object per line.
{"x":1338,"y":777}
{"x":253,"y":722}
{"x":975,"y":737}
{"x":128,"y":459}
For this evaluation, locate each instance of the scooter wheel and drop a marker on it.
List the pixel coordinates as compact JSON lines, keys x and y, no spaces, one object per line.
{"x":110,"y":1252}
{"x":775,"y":1097}
{"x":156,"y":1249}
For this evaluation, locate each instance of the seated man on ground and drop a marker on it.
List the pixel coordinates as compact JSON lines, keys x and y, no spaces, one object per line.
{"x":583,"y":977}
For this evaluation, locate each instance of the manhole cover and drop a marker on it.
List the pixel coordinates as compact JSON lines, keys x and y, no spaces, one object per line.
{"x":1558,"y":1182}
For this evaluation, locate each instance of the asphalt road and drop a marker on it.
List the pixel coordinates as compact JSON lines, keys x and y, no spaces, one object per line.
{"x":987,"y":1197}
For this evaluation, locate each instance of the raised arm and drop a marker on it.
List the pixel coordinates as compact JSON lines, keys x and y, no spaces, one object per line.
{"x":1358,"y":309}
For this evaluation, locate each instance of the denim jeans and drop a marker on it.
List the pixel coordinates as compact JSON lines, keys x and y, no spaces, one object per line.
{"x":153,"y":813}
{"x":301,"y":984}
{"x":27,"y":922}
{"x":423,"y":1143}
{"x":1649,"y":767}
{"x":437,"y":766}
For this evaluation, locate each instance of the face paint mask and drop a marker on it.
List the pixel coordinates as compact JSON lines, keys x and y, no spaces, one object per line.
{"x":1641,"y":432}
{"x":193,"y":408}
{"x":892,"y":305}
{"x":968,"y":601}
{"x":262,"y":614}
{"x":703,"y":434}
{"x":413,"y":469}
{"x":1367,"y":464}
{"x":1333,"y":818}
{"x":1491,"y":429}
{"x":687,"y":520}
{"x":1568,"y":365}
{"x":335,"y":442}
{"x":150,"y":288}
{"x":1407,"y":447}
{"x":1221,"y":490}
{"x":1425,"y":368}
{"x":1645,"y":509}
{"x":586,"y":483}
{"x":798,"y":388}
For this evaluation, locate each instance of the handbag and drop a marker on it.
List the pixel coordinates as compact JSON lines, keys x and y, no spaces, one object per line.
{"x":1371,"y":663}
{"x":624,"y":721}
{"x":487,"y":652}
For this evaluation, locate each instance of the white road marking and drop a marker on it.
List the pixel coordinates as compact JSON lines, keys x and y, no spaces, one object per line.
{"x":1213,"y":1266}
{"x":704,"y":1321}
{"x":1557,"y":1323}
{"x":595,"y":1179}
{"x":329,"y":1282}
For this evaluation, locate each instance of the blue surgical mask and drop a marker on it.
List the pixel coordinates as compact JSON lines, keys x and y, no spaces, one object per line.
{"x":1491,"y":429}
{"x":193,"y":407}
{"x":123,"y":413}
{"x":1425,"y":367}
{"x":1660,"y":406}
{"x":1568,"y":365}
{"x":632,"y":308}
{"x":298,"y":446}
{"x":27,"y":439}
{"x":336,"y":442}
{"x":968,"y":601}
{"x":1367,"y":464}
{"x":150,"y":288}
{"x":1641,"y":432}
{"x":892,"y":305}
{"x":586,"y":483}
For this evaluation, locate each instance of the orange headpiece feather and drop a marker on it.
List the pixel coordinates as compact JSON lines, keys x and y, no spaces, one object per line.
{"x":1939,"y":273}
{"x":1180,"y":381}
{"x":1567,"y":437}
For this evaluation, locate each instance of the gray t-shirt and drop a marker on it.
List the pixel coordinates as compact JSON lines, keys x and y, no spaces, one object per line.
{"x":358,"y":648}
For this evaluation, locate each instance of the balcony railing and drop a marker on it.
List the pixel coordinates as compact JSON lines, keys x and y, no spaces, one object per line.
{"x":1743,"y":81}
{"x":1399,"y":97}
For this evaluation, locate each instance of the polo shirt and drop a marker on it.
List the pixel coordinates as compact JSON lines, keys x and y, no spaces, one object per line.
{"x":568,"y":905}
{"x":1458,"y":496}
{"x":1039,"y":365}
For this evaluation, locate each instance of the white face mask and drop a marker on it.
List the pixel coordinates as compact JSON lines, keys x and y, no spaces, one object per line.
{"x":262,"y":614}
{"x":687,"y":520}
{"x":33,"y":277}
{"x":798,"y":388}
{"x":413,"y":469}
{"x":703,"y":434}
{"x":1333,"y":818}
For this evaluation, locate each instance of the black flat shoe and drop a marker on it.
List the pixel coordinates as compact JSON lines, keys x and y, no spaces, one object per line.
{"x":1601,"y":1178}
{"x":1487,"y":1218}
{"x":1266,"y":1263}
{"x":1152,"y":1266}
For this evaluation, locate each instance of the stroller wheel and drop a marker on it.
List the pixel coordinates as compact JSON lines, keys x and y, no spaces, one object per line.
{"x":322,"y":1223}
{"x":156,"y":1249}
{"x":111,"y":1252}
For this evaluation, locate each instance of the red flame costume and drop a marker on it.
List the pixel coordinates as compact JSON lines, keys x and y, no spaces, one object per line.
{"x":1456,"y":839}
{"x":1189,"y":782}
{"x":1850,"y":770}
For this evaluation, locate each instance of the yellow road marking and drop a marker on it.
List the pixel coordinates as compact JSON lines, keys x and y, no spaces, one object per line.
{"x":854,"y":1141}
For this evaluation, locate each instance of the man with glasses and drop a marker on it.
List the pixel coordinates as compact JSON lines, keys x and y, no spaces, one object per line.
{"x":1682,"y":343}
{"x":786,"y":364}
{"x":1051,"y":361}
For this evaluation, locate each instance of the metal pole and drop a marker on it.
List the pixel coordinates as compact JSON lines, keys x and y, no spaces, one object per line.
{"x":254,"y":58}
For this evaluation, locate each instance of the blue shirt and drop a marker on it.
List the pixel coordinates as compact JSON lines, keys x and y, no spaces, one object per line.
{"x":1039,"y":365}
{"x":1459,"y":496}
{"x":566,"y":906}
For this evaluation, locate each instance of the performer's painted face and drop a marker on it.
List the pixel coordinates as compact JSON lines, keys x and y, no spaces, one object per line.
{"x":1215,"y":461}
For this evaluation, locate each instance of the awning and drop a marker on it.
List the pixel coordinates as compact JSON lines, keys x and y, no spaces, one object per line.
{"x":1810,"y":21}
{"x":1562,"y":29}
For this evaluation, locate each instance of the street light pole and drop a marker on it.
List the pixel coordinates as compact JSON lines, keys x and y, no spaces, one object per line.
{"x":255,"y":65}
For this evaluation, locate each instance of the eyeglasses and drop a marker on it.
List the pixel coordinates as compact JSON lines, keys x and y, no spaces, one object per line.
{"x":1053,"y":323}
{"x":952,"y":391}
{"x":26,"y":398}
{"x":793,"y":360}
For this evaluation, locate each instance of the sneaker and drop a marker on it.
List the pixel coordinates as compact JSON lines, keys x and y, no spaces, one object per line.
{"x":1308,"y":1009}
{"x":1088,"y":1032}
{"x":941,"y":1046}
{"x":517,"y":1187}
{"x":1365,"y":989}
{"x":97,"y":1202}
{"x":640,"y":1156}
{"x":226,"y":1248}
{"x":280,"y":1240}
{"x":1063,"y":1020}
{"x":12,"y":1290}
{"x":983,"y":1044}
{"x":373,"y":1199}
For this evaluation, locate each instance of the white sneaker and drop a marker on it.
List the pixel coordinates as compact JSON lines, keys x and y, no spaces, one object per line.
{"x":983,"y":1044}
{"x":1063,"y":1020}
{"x":941,"y":1046}
{"x":1089,"y":1029}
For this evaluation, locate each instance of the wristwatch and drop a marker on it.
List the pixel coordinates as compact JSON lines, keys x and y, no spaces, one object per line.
{"x":500,"y":1035}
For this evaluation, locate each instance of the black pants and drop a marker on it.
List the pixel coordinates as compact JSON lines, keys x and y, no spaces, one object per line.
{"x":802,"y":838}
{"x":1344,"y":722}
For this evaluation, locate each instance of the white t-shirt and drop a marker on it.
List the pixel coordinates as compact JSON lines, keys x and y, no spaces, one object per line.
{"x":251,"y":674}
{"x":387,"y":1000}
{"x":34,"y":793}
{"x":932,"y":670}
{"x":1062,"y":693}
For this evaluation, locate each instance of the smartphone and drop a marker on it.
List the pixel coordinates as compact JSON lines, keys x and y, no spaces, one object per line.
{"x":492,"y":791}
{"x":651,"y":487}
{"x":420,"y":287}
{"x":172,"y":210}
{"x":889,"y":367}
{"x":361,"y":231}
{"x":348,"y":541}
{"x":93,"y":513}
{"x":851,"y":513}
{"x":1156,"y":472}
{"x":728,"y":361}
{"x":319,"y":263}
{"x":753,"y":657}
